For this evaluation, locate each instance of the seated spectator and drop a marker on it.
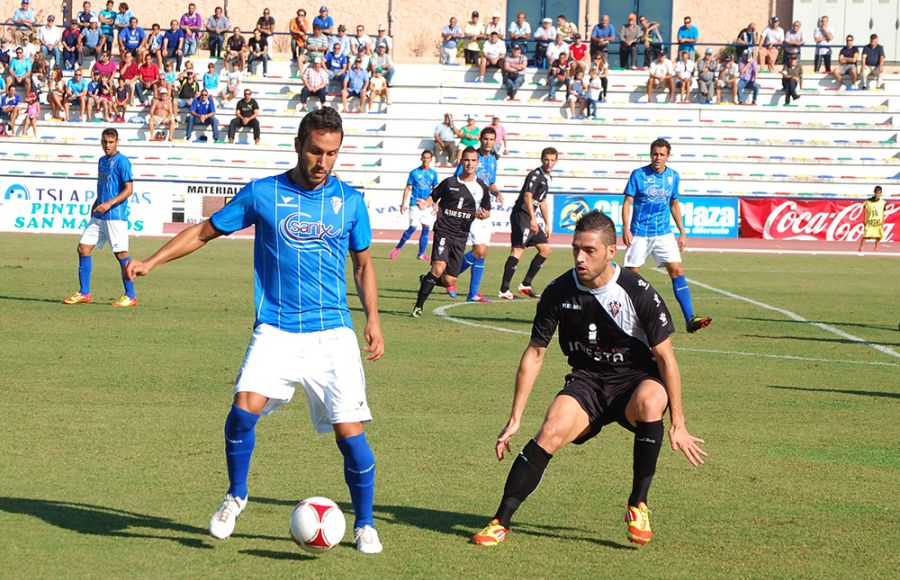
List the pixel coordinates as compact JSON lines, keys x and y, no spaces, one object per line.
{"x":341,"y":38}
{"x":823,"y":37}
{"x":378,"y":89}
{"x":747,"y":39}
{"x":629,"y":36}
{"x":543,"y":36}
{"x":5,"y":53}
{"x":50,"y":38}
{"x":128,"y":71}
{"x":558,"y":75}
{"x":162,"y":113}
{"x":336,"y":63}
{"x":20,"y":71}
{"x":9,"y":111}
{"x":76,"y":92}
{"x":364,"y":58}
{"x":25,"y":21}
{"x":148,"y":77}
{"x":728,"y":75}
{"x":71,"y":46}
{"x":706,"y":76}
{"x":162,"y":82}
{"x":565,"y":29}
{"x":652,"y":39}
{"x":576,"y":96}
{"x":246,"y":114}
{"x":105,"y":66}
{"x":514,"y":72}
{"x":382,"y":39}
{"x":554,"y":51}
{"x":211,"y":79}
{"x":500,"y":147}
{"x":445,"y":136}
{"x":122,"y":19}
{"x":191,"y":24}
{"x":872,"y":63}
{"x":236,"y":49}
{"x":684,"y":76}
{"x":356,"y":84}
{"x":173,"y":44}
{"x":153,"y":45}
{"x":259,"y":52}
{"x":601,"y":67}
{"x":662,"y":73}
{"x":793,"y":40}
{"x":847,"y":59}
{"x":131,"y":39}
{"x":383,"y":61}
{"x":56,"y":92}
{"x":450,"y":36}
{"x":594,"y":93}
{"x":474,"y":32}
{"x":86,"y":16}
{"x":315,"y":83}
{"x":265,"y":24}
{"x":299,"y":27}
{"x":316,"y":45}
{"x":580,"y":55}
{"x":32,"y":110}
{"x":216,"y":27}
{"x":748,"y":71}
{"x":188,"y":89}
{"x":232,"y":83}
{"x":170,"y":75}
{"x":791,"y":78}
{"x":519,"y":33}
{"x":104,"y":100}
{"x":324,"y":21}
{"x":203,"y":113}
{"x":772,"y":39}
{"x":123,"y":100}
{"x":492,"y":56}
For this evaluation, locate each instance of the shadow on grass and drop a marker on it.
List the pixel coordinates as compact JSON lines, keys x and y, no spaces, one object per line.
{"x":32,"y":299}
{"x":273,"y":555}
{"x":882,"y":394}
{"x":821,"y":339}
{"x":832,"y":322}
{"x":103,"y":521}
{"x":461,"y":525}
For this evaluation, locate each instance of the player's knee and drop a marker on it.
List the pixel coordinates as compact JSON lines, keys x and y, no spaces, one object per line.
{"x":675,"y":270}
{"x":85,"y":250}
{"x":650,"y":404}
{"x":544,"y":251}
{"x":550,"y":437}
{"x":480,"y":251}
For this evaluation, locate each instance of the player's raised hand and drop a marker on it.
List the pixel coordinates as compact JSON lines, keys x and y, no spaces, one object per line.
{"x":503,"y":446}
{"x":135,"y":268}
{"x":688,"y":444}
{"x":374,"y":341}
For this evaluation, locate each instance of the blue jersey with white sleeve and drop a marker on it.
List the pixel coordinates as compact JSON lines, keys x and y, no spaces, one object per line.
{"x":652,"y":193}
{"x":421,"y":182}
{"x":113,"y":172}
{"x":300,"y":250}
{"x":486,"y":171}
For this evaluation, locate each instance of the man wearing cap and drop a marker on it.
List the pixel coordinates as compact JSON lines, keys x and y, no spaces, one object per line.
{"x":236,"y":49}
{"x":601,"y":35}
{"x":356,"y":84}
{"x":772,"y":39}
{"x":519,"y":32}
{"x":246,"y":114}
{"x":162,"y":112}
{"x":543,"y":37}
{"x":450,"y":35}
{"x":706,"y":76}
{"x":495,"y":26}
{"x":728,"y":75}
{"x":203,"y":112}
{"x":20,"y":71}
{"x":71,"y":46}
{"x":688,"y":37}
{"x":494,"y":52}
{"x":24,"y":20}
{"x":383,"y":61}
{"x":791,"y":78}
{"x":324,"y":21}
{"x":50,"y":37}
{"x":514,"y":72}
{"x":474,"y":32}
{"x":315,"y":81}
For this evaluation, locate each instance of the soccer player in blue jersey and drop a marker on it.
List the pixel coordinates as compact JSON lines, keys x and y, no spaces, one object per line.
{"x":480,"y":233}
{"x":421,"y":181}
{"x":651,"y":195}
{"x":305,"y":222}
{"x":109,"y":220}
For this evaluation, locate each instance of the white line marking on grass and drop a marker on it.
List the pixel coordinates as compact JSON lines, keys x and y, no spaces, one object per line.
{"x":443,"y":312}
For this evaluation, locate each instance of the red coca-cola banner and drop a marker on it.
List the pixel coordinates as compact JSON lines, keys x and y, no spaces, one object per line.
{"x":792,"y":219}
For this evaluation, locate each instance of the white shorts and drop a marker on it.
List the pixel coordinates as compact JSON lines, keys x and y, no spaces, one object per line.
{"x":480,"y":232}
{"x":326,"y":364}
{"x":98,"y":232}
{"x":663,"y":248}
{"x":418,"y":216}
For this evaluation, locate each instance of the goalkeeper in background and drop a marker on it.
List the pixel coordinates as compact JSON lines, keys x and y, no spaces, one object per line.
{"x":874,"y":219}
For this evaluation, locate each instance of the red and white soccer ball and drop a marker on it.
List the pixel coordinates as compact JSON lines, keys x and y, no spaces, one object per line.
{"x":317,"y":524}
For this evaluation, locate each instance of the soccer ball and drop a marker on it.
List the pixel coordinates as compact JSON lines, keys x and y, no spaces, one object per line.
{"x":317,"y":524}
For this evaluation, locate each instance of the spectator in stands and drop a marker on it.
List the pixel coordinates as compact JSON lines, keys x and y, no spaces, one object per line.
{"x":474,"y":32}
{"x":122,"y":100}
{"x":148,"y":77}
{"x":684,"y":76}
{"x":495,"y":26}
{"x":378,"y":88}
{"x":519,"y":33}
{"x":823,"y":37}
{"x":50,"y":37}
{"x":122,"y":19}
{"x":579,"y":54}
{"x":20,"y":71}
{"x":56,"y":92}
{"x":131,"y":39}
{"x":86,"y":16}
{"x":558,"y":75}
{"x":450,"y":36}
{"x":342,"y":39}
{"x":162,"y":113}
{"x":748,"y":71}
{"x":9,"y":111}
{"x":847,"y":59}
{"x":191,"y":24}
{"x":40,"y":72}
{"x":236,"y":49}
{"x":324,"y":21}
{"x":336,"y":63}
{"x":93,"y":41}
{"x":601,"y":66}
{"x":105,"y":66}
{"x":259,"y":51}
{"x":629,"y":36}
{"x":216,"y":27}
{"x":211,"y":79}
{"x":594,"y":93}
{"x":554,"y":50}
{"x":493,"y":53}
{"x":661,"y":73}
{"x":688,"y":37}
{"x":299,"y":28}
{"x":316,"y":45}
{"x":872,"y":63}
{"x":203,"y":113}
{"x":363,"y":39}
{"x":382,"y":39}
{"x":188,"y":89}
{"x":128,"y":71}
{"x":564,"y":28}
{"x":5,"y":54}
{"x":514,"y":72}
{"x":315,"y":83}
{"x":576,"y":96}
{"x":772,"y":39}
{"x":500,"y":147}
{"x":445,"y":136}
{"x":706,"y":76}
{"x":468,"y":135}
{"x":356,"y":84}
{"x":24,"y":20}
{"x":232,"y":83}
{"x":364,"y":58}
{"x":153,"y":45}
{"x":266,"y":23}
{"x":747,"y":39}
{"x":107,"y":18}
{"x":32,"y":110}
{"x":652,"y":39}
{"x":76,"y":92}
{"x":793,"y":40}
{"x":383,"y":61}
{"x":601,"y":35}
{"x":173,"y":44}
{"x":543,"y":37}
{"x":791,"y":78}
{"x":246,"y":114}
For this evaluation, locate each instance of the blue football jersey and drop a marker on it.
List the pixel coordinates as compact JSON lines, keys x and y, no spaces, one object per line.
{"x":300,"y":251}
{"x":652,"y":193}
{"x":112,"y":175}
{"x":486,"y":171}
{"x":422,"y":181}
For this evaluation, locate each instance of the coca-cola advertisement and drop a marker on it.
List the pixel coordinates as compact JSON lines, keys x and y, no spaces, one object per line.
{"x":793,"y":219}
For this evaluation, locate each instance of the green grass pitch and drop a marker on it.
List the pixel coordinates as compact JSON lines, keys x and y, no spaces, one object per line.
{"x":112,"y":453}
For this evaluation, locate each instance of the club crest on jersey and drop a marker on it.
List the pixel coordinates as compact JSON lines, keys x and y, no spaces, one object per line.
{"x":614,"y":308}
{"x":663,"y":318}
{"x":306,"y":235}
{"x":336,"y":204}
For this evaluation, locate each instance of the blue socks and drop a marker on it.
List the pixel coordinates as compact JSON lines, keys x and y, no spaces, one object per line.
{"x":129,"y":284}
{"x":406,"y":235}
{"x":468,"y":262}
{"x":240,"y":439}
{"x":359,"y":473}
{"x":683,"y":295}
{"x":423,"y":240}
{"x":477,"y":275}
{"x":85,"y":265}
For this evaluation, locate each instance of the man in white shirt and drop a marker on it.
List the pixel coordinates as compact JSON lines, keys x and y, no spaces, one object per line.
{"x":519,"y":32}
{"x":492,"y":55}
{"x":554,"y":50}
{"x":543,"y":36}
{"x":772,"y":39}
{"x":50,"y":37}
{"x":662,"y":73}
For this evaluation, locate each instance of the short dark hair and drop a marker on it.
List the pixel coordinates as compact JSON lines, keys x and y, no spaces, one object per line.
{"x":597,"y":221}
{"x":427,"y":151}
{"x":549,"y":151}
{"x":877,"y":189}
{"x":488,"y":131}
{"x":661,"y":143}
{"x":110,"y":133}
{"x":325,"y":119}
{"x":468,"y":149}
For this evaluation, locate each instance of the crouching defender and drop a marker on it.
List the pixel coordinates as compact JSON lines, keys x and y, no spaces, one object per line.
{"x":615,"y":330}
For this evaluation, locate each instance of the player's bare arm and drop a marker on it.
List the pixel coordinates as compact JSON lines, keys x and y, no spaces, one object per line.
{"x":529,"y":369}
{"x":626,"y":220}
{"x":367,"y":288}
{"x":405,"y":202}
{"x":679,"y":436}
{"x":495,"y":191}
{"x":676,"y":215}
{"x":127,"y":191}
{"x":187,"y":242}
{"x":544,"y":214}
{"x":529,"y":207}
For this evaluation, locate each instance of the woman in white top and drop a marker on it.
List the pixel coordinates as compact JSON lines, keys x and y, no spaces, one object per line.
{"x":684,"y":73}
{"x":823,"y":35}
{"x":601,"y":67}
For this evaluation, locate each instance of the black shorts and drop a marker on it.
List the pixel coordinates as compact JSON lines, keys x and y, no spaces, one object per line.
{"x":450,"y":250}
{"x":522,"y":236}
{"x":604,"y":402}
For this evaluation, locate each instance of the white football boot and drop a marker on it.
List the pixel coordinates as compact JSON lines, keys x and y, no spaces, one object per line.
{"x":367,"y":540}
{"x":221,"y":525}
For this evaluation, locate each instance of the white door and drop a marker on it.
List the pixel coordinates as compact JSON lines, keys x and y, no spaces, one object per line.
{"x":884,"y":24}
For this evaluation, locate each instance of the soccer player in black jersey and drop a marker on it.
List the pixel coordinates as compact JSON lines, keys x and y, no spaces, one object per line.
{"x":525,"y":230}
{"x":615,"y":330}
{"x":461,"y":200}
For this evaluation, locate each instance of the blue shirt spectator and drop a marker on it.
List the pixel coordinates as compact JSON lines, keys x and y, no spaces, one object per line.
{"x":132,"y":37}
{"x":108,"y":14}
{"x":77,"y":86}
{"x":323,"y":20}
{"x":688,"y":33}
{"x":356,"y":79}
{"x":201,"y":108}
{"x":92,"y":37}
{"x":173,"y":37}
{"x":19,"y":66}
{"x":335,"y":62}
{"x":123,"y":18}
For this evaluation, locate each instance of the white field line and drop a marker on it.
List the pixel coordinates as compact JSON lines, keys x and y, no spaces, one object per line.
{"x":444,"y":312}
